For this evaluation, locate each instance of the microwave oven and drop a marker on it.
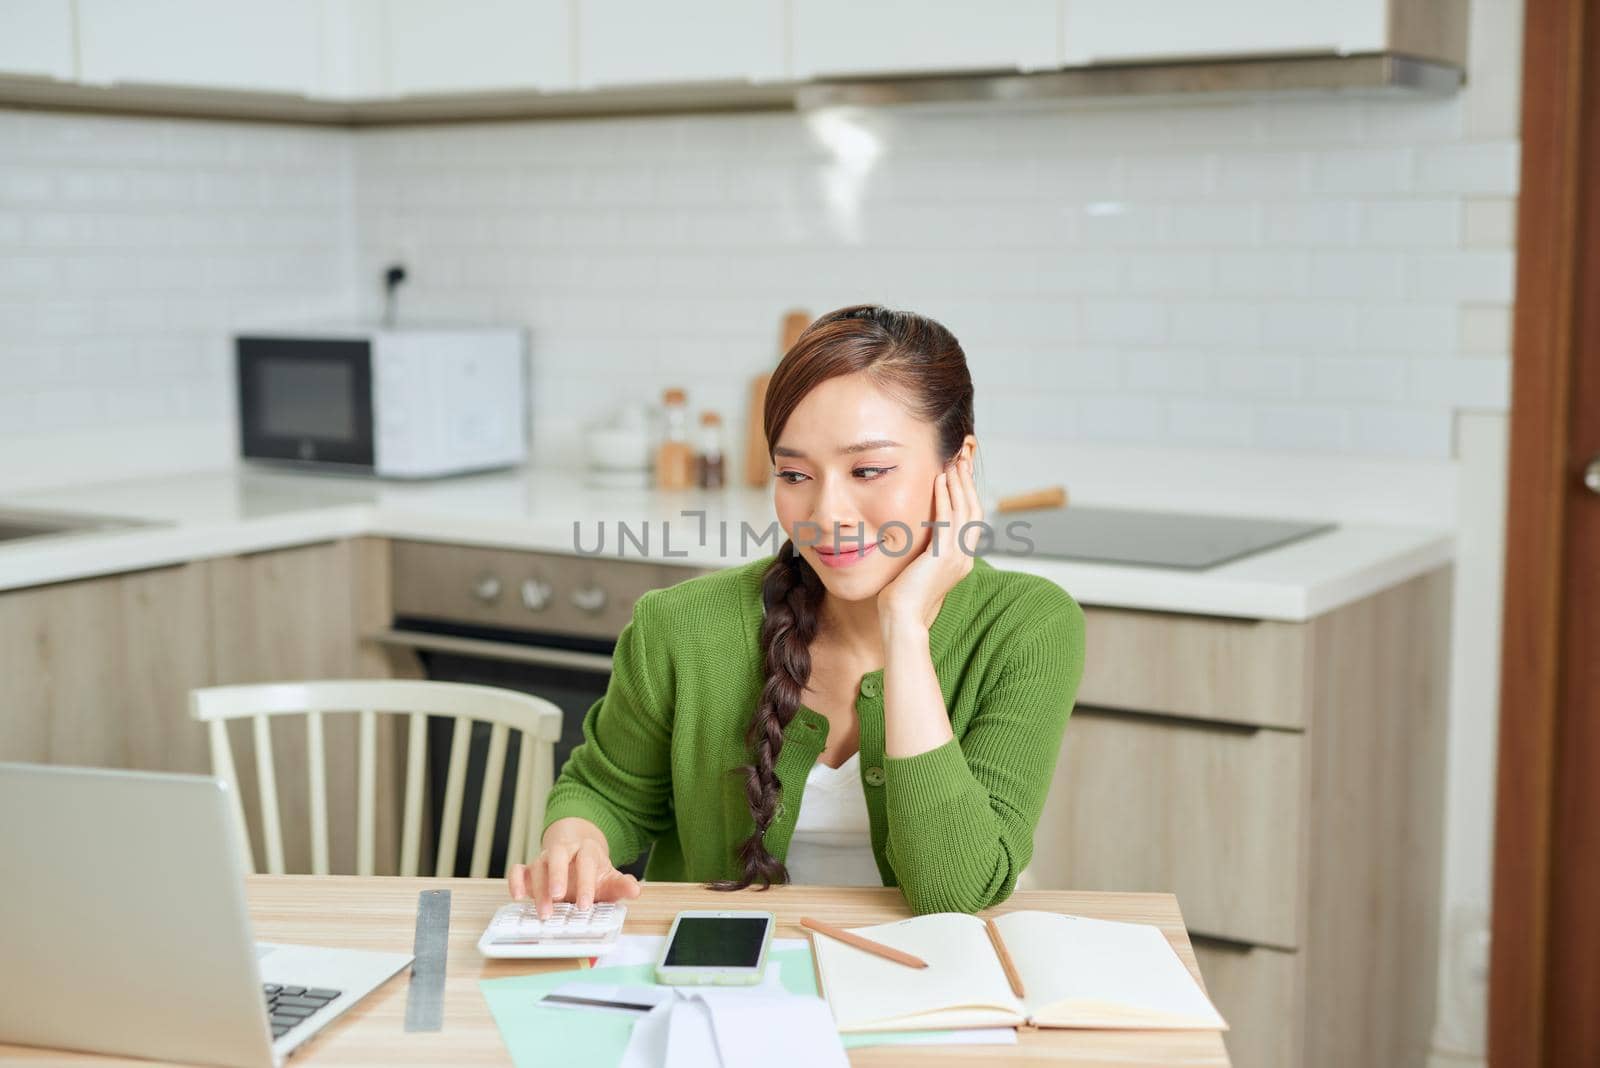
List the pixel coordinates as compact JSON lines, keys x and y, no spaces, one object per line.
{"x":407,"y":403}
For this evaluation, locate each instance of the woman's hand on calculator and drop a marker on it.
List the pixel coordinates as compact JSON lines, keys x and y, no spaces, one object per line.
{"x":574,"y":865}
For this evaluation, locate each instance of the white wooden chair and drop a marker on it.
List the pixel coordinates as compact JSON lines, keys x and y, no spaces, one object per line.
{"x":538,"y":719}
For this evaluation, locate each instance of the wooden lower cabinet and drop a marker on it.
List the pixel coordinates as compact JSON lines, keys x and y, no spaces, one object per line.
{"x":1182,"y":795}
{"x":297,"y":614}
{"x":1260,"y":993}
{"x":97,"y":672}
{"x":1304,"y":847}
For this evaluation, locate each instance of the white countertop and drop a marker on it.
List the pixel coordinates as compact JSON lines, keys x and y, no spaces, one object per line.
{"x":215,"y":513}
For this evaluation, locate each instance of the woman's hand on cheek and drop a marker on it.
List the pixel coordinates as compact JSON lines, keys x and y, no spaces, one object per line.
{"x":916,"y":594}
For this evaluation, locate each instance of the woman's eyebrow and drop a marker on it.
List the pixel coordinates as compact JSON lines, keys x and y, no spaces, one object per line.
{"x":860,"y":446}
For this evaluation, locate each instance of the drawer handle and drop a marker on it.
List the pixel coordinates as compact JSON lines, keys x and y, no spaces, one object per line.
{"x":492,"y":650}
{"x":1167,"y":719}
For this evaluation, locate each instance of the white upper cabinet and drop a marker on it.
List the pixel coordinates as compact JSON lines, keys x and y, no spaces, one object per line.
{"x":638,"y":42}
{"x":1099,"y":31}
{"x":842,"y":37}
{"x":261,"y":45}
{"x":36,"y":38}
{"x":443,"y":46}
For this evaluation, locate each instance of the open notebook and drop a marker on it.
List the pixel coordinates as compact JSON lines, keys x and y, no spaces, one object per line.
{"x":1076,"y":972}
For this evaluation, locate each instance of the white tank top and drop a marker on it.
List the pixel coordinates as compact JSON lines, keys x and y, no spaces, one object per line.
{"x":832,"y":840}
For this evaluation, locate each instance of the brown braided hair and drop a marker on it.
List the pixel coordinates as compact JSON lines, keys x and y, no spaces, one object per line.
{"x":914,"y":359}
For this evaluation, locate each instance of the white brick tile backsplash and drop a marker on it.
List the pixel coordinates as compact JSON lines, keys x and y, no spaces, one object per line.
{"x":1472,"y":168}
{"x":1411,"y":223}
{"x":1167,"y":272}
{"x":1262,"y":174}
{"x":1125,"y":321}
{"x":1414,"y":122}
{"x":1208,"y":323}
{"x":1306,"y":427}
{"x":1485,"y":328}
{"x":1216,"y":224}
{"x":1292,"y":272}
{"x":1164,"y":371}
{"x":1120,"y":418}
{"x":1463,"y":382}
{"x":1489,"y":222}
{"x":1410,"y":328}
{"x":1308,"y":326}
{"x":1311,"y":122}
{"x":1412,"y":431}
{"x":1357,"y":274}
{"x":1465,"y":276}
{"x":1362,"y":170}
{"x":1262,"y":274}
{"x":1274,"y":376}
{"x":1207,"y":422}
{"x":1358,"y":378}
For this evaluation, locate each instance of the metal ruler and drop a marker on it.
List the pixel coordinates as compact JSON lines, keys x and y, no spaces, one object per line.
{"x":425,"y":996}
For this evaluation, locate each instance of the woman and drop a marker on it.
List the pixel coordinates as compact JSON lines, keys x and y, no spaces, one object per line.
{"x":831,"y":715}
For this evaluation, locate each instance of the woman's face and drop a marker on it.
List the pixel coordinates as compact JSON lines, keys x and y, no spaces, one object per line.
{"x":824,"y":476}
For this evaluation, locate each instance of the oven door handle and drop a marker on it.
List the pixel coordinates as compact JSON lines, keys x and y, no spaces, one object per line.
{"x":526,"y":654}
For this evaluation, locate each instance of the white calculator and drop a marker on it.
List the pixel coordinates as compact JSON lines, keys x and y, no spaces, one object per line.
{"x":517,"y":931}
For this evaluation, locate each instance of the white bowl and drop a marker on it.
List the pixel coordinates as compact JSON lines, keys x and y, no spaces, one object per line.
{"x":617,"y":448}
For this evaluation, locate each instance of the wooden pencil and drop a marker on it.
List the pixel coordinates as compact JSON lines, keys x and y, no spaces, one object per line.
{"x":886,"y":952}
{"x":1005,"y":957}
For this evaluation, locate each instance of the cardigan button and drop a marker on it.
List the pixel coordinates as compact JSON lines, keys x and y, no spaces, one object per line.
{"x":869,"y":687}
{"x":873,"y":776}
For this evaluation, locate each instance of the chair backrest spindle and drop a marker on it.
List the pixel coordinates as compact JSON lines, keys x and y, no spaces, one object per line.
{"x":316,"y":760}
{"x":536,"y":720}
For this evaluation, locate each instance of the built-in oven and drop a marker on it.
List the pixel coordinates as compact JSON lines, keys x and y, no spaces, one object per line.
{"x":542,"y":623}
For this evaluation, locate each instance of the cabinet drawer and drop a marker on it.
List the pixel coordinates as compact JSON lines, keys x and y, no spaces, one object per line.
{"x":1258,"y":991}
{"x":1254,"y":671}
{"x":1209,"y":812}
{"x":590,"y":596}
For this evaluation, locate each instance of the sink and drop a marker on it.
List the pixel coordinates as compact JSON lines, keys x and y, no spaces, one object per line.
{"x":27,"y":524}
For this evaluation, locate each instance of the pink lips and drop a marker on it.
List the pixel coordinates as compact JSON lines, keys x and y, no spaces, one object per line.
{"x":848,"y":558}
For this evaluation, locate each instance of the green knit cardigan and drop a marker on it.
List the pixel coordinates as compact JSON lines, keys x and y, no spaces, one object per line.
{"x":952,"y":827}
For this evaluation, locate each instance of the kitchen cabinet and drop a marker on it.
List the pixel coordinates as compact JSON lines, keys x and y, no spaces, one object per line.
{"x":38,"y":39}
{"x":299,"y":613}
{"x":365,"y":61}
{"x":1116,"y":31}
{"x":256,"y":45}
{"x":838,"y":37}
{"x":97,"y":672}
{"x":636,"y":42}
{"x":436,"y":46}
{"x":1286,"y":781}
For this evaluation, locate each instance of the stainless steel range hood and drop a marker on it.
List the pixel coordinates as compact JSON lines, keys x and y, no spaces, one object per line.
{"x":1373,"y":73}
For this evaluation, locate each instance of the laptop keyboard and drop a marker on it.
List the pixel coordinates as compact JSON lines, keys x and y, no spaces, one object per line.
{"x":289,"y":1006}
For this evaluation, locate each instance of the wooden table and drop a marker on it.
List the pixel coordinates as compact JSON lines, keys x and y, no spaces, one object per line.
{"x":380,"y":913}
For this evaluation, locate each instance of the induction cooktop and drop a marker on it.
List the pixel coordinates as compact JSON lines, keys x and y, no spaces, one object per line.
{"x":1184,"y":540}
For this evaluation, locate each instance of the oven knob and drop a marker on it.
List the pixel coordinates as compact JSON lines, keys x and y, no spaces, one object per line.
{"x":592,"y":599}
{"x":486,"y":588}
{"x":535,"y":595}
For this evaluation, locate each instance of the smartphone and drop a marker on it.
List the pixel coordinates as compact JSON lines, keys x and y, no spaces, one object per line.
{"x":707,"y":947}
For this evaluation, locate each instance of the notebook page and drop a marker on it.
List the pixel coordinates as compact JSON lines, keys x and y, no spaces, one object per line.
{"x":963,"y":985}
{"x":1083,"y":972}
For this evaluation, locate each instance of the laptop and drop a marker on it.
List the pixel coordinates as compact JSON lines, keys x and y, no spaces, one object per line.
{"x":124,"y":928}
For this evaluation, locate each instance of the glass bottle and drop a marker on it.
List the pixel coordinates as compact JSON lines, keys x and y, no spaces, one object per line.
{"x":710,"y":462}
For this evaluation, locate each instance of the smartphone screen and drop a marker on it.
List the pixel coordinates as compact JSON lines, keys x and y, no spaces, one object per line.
{"x":717,"y":942}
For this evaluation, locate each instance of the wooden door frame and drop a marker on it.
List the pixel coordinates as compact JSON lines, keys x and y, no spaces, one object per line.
{"x":1544,"y":975}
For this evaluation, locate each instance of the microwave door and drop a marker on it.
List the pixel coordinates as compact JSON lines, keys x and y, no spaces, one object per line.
{"x":306,"y":401}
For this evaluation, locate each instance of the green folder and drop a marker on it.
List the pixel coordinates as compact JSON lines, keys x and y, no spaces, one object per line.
{"x":541,"y":1035}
